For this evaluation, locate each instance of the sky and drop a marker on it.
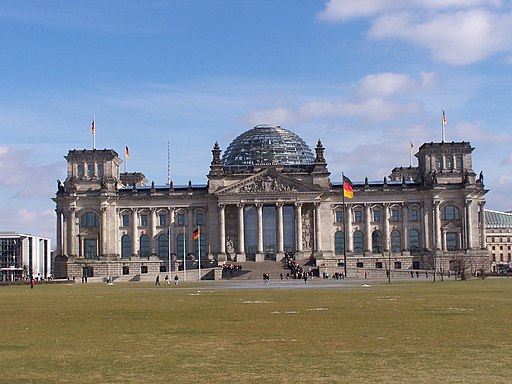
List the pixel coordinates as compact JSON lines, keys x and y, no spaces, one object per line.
{"x":366,"y":77}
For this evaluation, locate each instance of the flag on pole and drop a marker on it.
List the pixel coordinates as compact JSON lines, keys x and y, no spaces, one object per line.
{"x":126,"y":152}
{"x":348,"y":190}
{"x":444,"y":119}
{"x":92,"y":127}
{"x":411,"y":145}
{"x":195,"y":234}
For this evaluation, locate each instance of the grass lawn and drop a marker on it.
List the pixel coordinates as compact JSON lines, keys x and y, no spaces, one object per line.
{"x":403,"y":332}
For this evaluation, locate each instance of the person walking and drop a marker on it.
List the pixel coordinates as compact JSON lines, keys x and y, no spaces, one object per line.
{"x":305,"y":277}
{"x":32,"y":283}
{"x":157,"y":281}
{"x":167,"y":280}
{"x":176,"y":280}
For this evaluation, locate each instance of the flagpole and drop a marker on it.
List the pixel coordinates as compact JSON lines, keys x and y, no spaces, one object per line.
{"x":168,"y":163}
{"x":410,"y":153}
{"x":443,"y":123}
{"x":169,"y":247}
{"x":184,"y":254}
{"x":94,"y":132}
{"x":199,"y":249}
{"x":344,"y":226}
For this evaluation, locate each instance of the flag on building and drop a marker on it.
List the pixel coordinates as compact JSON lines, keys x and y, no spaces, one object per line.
{"x":92,"y":127}
{"x":126,"y":152}
{"x":195,"y":234}
{"x":444,"y":118}
{"x":348,"y":190}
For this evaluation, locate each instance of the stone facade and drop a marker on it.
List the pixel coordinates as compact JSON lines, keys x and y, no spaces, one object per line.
{"x":112,"y":223}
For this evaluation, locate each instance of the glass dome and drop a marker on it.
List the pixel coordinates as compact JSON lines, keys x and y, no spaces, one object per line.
{"x":267,"y":145}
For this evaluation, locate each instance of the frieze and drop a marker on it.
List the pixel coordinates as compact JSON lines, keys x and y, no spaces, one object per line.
{"x":266,"y":184}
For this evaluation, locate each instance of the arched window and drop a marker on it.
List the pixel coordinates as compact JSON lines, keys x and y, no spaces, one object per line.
{"x":163,"y":246}
{"x":202,"y":242}
{"x":90,"y":219}
{"x":414,"y":240}
{"x":339,"y":246}
{"x":377,"y":242}
{"x":90,"y":170}
{"x":80,"y":170}
{"x":450,"y":212}
{"x":358,"y":242}
{"x":181,"y":245}
{"x":126,"y":246}
{"x":145,"y":249}
{"x":396,"y":241}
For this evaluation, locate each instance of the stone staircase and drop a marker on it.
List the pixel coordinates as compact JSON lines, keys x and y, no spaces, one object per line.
{"x":254,"y":271}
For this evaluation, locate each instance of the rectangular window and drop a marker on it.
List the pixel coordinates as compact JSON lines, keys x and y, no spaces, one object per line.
{"x":376,"y":215}
{"x":358,"y":216}
{"x":413,"y":215}
{"x":181,"y":219}
{"x":143,"y":220}
{"x":163,"y":219}
{"x":144,"y":269}
{"x":199,"y":219}
{"x":395,"y":215}
{"x":339,"y":216}
{"x":126,"y":270}
{"x":126,"y":220}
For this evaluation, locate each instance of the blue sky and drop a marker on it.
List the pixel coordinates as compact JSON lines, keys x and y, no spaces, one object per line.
{"x":363,"y":76}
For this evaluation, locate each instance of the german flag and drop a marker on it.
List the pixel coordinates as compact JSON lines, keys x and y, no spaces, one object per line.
{"x":195,"y":234}
{"x":348,"y":190}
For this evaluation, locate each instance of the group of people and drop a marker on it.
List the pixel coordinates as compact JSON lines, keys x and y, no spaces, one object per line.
{"x":167,"y":280}
{"x":231,"y":268}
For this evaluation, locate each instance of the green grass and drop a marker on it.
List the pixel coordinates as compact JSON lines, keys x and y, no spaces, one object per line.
{"x":452,"y":331}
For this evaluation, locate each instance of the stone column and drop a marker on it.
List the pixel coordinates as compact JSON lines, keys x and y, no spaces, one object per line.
{"x":469,"y":227}
{"x":260,"y":252}
{"x":71,"y":232}
{"x":349,"y":239}
{"x":405,"y":228}
{"x":439,"y":244}
{"x":367,"y":230}
{"x":426,"y":227}
{"x":152,"y":230}
{"x":222,"y":229}
{"x":318,"y":232}
{"x":173,"y":230}
{"x":134,"y":232}
{"x":386,"y":228}
{"x":483,"y":239}
{"x":59,"y":232}
{"x":103,"y":230}
{"x":280,"y":232}
{"x":298,"y":226}
{"x":241,"y":239}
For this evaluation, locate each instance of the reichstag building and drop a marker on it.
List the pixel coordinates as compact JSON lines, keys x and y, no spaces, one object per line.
{"x":269,"y":195}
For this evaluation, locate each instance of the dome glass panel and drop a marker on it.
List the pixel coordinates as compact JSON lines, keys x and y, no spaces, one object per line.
{"x":268,"y":145}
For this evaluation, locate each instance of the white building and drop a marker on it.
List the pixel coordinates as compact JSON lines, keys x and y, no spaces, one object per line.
{"x":268,"y":195}
{"x":24,"y":256}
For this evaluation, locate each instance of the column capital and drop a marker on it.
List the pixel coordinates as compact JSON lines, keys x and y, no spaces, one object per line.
{"x":221,"y":205}
{"x":298,"y":204}
{"x":258,"y":205}
{"x":240,"y":205}
{"x":279,"y":204}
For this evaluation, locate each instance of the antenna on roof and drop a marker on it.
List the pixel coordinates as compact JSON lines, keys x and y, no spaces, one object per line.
{"x":168,"y":163}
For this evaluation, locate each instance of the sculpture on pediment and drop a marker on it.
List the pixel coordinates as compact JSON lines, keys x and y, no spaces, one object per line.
{"x":266,"y":184}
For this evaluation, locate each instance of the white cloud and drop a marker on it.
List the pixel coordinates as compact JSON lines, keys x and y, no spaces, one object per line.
{"x":457,"y":38}
{"x":473,"y":131}
{"x":343,"y":10}
{"x":25,"y":179}
{"x":388,"y":84}
{"x":457,"y":32}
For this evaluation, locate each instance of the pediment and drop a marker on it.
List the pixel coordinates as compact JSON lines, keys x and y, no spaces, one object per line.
{"x":266,"y":182}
